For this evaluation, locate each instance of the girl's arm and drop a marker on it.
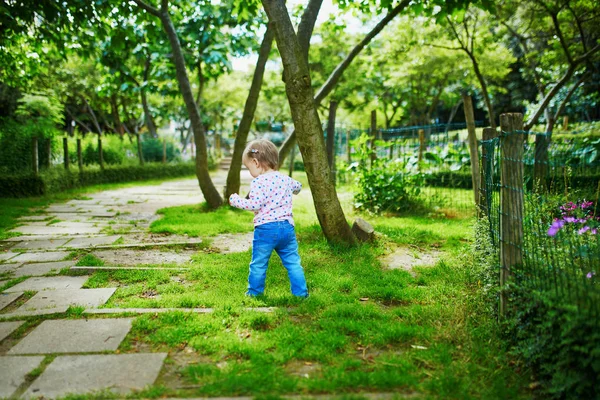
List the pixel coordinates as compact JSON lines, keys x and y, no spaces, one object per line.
{"x":296,"y":186}
{"x":256,"y":199}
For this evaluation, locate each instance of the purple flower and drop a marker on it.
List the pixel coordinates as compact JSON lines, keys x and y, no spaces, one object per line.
{"x":583,"y":230}
{"x":555,"y":227}
{"x":586,"y":204}
{"x":590,"y":274}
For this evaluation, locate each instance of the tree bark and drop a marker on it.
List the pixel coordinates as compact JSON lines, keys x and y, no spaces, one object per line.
{"x":211,"y":194}
{"x":308,"y":126}
{"x":148,"y":119}
{"x":233,"y":176}
{"x":335,"y":76}
{"x":307,"y":25}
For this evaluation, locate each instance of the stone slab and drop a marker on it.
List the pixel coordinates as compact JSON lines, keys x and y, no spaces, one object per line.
{"x":7,"y":298}
{"x":74,"y":336}
{"x":11,"y":267}
{"x":41,"y":244}
{"x":39,"y":269}
{"x":41,"y":257}
{"x":4,"y":256}
{"x":13,"y":371}
{"x":79,"y":243}
{"x":131,"y":257}
{"x":120,"y":373}
{"x":55,"y":230}
{"x":6,"y":328}
{"x":93,"y":269}
{"x":49,"y":283}
{"x":57,"y":301}
{"x":53,"y":208}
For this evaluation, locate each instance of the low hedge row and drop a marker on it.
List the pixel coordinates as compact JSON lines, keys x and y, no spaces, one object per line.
{"x":58,"y":179}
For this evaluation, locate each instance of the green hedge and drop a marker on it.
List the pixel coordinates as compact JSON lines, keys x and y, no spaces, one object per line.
{"x":58,"y":179}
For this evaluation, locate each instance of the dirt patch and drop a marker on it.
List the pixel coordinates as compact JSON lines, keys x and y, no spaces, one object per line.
{"x":304,"y":369}
{"x":135,"y":257}
{"x":232,"y":243}
{"x":407,"y":258}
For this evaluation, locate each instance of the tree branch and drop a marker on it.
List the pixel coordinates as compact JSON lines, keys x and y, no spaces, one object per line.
{"x":456,"y":35}
{"x":563,"y":103}
{"x":147,"y":7}
{"x":580,"y":28}
{"x":561,"y":38}
{"x":307,"y":25}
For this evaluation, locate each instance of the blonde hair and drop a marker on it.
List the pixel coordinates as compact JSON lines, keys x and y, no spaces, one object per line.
{"x":264,"y":152}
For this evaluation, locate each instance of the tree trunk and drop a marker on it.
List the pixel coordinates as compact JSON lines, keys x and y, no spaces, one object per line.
{"x":335,"y":76}
{"x":241,"y":137}
{"x":148,"y":119}
{"x":484,"y":91}
{"x":308,"y":126}
{"x":211,"y":195}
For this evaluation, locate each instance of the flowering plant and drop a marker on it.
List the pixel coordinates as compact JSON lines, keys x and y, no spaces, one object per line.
{"x":580,"y":216}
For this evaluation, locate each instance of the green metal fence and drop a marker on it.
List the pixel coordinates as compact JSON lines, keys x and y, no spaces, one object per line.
{"x":541,"y":203}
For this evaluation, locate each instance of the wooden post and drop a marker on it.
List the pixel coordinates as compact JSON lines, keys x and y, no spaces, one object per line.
{"x":511,"y":199}
{"x":34,"y":156}
{"x":139,"y":148}
{"x":48,"y":153}
{"x":348,"y":147}
{"x":331,"y":135}
{"x":542,"y":143}
{"x":192,"y":148}
{"x":421,"y":146}
{"x":100,"y":153}
{"x":473,"y":149}
{"x":292,"y":157}
{"x":392,"y":149}
{"x":565,"y":123}
{"x":487,"y":169}
{"x":373,"y":136}
{"x":66,"y":152}
{"x":164,"y":143}
{"x":79,"y":155}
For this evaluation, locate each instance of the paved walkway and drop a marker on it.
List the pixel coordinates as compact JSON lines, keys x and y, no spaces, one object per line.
{"x":61,"y":356}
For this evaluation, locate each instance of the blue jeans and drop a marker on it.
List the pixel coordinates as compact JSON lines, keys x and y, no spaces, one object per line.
{"x":281,"y":237}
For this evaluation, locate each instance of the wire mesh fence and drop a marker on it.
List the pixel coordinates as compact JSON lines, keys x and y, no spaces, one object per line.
{"x":541,"y":203}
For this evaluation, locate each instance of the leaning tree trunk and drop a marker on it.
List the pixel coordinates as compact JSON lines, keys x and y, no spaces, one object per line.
{"x":233,"y":177}
{"x":336,"y":75}
{"x":308,"y":126}
{"x":211,"y":195}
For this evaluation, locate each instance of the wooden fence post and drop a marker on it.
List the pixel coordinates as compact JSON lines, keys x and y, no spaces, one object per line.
{"x":66,"y":153}
{"x":139,"y":149}
{"x":79,"y":155}
{"x":511,"y":199}
{"x":100,"y":153}
{"x":421,"y":146}
{"x":35,"y":156}
{"x":392,"y":149}
{"x":164,"y":143}
{"x":473,"y":148}
{"x":487,"y":168}
{"x":565,"y":123}
{"x":331,"y":136}
{"x":373,"y":135}
{"x":348,"y":147}
{"x":217,"y":145}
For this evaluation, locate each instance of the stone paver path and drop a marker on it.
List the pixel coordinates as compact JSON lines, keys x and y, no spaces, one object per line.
{"x":112,"y":226}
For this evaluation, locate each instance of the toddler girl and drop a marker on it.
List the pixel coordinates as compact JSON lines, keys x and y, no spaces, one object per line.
{"x":270,"y":198}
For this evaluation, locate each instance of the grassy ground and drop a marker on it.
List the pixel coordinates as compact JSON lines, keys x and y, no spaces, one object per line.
{"x":426,"y":332}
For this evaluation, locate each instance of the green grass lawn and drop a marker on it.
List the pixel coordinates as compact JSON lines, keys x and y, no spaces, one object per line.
{"x":427,"y":332}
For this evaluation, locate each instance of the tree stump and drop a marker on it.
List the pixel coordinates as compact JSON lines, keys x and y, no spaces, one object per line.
{"x":363,"y":230}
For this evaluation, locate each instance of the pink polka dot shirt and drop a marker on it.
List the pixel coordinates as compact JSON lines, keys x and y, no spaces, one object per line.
{"x":270,"y":198}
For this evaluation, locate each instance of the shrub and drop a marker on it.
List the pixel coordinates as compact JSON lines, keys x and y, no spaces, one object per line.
{"x":152,"y":150}
{"x":559,"y":342}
